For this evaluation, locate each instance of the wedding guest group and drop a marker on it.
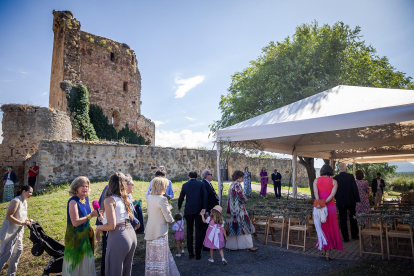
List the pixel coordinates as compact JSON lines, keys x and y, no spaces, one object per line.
{"x":277,"y":183}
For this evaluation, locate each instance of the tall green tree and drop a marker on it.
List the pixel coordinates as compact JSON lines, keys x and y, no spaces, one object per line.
{"x":371,"y":170}
{"x":314,"y":59}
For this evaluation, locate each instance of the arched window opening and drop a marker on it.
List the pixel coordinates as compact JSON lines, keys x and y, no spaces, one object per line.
{"x":116,"y":118}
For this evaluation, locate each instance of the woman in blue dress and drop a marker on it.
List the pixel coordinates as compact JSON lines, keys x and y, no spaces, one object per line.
{"x":247,"y":182}
{"x":78,"y":258}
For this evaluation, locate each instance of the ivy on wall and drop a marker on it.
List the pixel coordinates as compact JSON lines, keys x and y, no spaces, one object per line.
{"x":78,"y":100}
{"x":106,"y":131}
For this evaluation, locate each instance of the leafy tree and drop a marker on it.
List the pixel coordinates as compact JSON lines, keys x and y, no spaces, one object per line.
{"x":314,"y":59}
{"x":371,"y":170}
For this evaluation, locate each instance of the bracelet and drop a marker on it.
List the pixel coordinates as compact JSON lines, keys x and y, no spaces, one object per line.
{"x":88,"y":216}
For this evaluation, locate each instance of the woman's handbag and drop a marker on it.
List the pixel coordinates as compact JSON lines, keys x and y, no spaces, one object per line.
{"x":320,"y":202}
{"x":92,"y":238}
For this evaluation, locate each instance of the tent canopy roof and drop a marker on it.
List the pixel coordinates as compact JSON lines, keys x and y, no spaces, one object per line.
{"x":345,"y":122}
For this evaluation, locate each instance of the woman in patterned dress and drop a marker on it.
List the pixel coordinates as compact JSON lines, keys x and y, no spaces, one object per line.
{"x":78,"y":258}
{"x":363,"y":189}
{"x":239,"y":228}
{"x":247,"y":182}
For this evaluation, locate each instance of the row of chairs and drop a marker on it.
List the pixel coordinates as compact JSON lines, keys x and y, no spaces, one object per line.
{"x":270,"y":224}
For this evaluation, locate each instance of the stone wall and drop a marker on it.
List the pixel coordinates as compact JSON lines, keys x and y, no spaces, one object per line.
{"x":109,"y":70}
{"x":63,"y":161}
{"x":23,"y":128}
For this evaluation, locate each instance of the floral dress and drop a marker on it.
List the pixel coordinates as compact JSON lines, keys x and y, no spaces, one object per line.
{"x":247,"y":183}
{"x":78,"y":258}
{"x":363,"y":189}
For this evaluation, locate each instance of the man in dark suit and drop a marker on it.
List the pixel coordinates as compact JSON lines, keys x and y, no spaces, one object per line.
{"x":212,"y":197}
{"x":346,"y":198}
{"x":277,"y":183}
{"x":195,"y":204}
{"x":377,"y":187}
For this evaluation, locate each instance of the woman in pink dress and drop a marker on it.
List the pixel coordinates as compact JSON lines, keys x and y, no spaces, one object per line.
{"x":363,"y":189}
{"x":264,"y":179}
{"x":325,"y":187}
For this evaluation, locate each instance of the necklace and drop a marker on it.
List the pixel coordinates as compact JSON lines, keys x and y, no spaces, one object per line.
{"x":83,"y":201}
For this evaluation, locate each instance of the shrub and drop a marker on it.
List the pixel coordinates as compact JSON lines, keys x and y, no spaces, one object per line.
{"x":102,"y":42}
{"x":91,"y":40}
{"x":402,"y":184}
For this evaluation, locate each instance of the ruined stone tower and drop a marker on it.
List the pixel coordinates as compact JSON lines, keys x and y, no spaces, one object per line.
{"x":108,"y":69}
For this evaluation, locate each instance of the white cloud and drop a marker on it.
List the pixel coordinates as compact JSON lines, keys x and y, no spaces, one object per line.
{"x":44,"y":94}
{"x":191,"y":119}
{"x":158,"y":123}
{"x":186,"y":84}
{"x":184,"y":138}
{"x":199,"y":124}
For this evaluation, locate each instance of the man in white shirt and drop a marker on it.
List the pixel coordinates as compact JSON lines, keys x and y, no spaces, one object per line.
{"x":169,"y":193}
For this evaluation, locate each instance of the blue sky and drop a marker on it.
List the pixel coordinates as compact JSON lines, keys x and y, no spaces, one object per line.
{"x":186,"y":50}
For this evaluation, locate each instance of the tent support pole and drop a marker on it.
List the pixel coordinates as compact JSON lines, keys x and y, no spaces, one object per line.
{"x":219,"y":172}
{"x":294,"y":174}
{"x":332,"y":163}
{"x":353,"y":167}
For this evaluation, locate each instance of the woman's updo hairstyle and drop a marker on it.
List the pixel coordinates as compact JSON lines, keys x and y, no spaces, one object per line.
{"x":237,"y":174}
{"x":25,"y":188}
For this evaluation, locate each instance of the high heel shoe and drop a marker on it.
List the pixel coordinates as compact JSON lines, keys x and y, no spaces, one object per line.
{"x":328,"y":258}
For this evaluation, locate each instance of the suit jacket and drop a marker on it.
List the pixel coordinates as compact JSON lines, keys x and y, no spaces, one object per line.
{"x":374,"y":185}
{"x":277,"y":176}
{"x":211,"y":196}
{"x":196,"y":197}
{"x":159,"y":214}
{"x":347,"y":193}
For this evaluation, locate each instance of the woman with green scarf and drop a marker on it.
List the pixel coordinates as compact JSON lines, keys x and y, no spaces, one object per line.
{"x":78,"y":259}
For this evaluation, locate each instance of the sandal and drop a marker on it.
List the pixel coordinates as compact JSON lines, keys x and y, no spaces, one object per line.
{"x":253,"y":249}
{"x":328,"y":258}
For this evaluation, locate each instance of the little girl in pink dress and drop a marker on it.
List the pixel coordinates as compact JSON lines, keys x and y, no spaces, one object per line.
{"x":178,"y":227}
{"x":216,"y":235}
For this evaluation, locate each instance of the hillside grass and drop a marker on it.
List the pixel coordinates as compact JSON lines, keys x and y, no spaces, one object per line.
{"x":49,"y":210}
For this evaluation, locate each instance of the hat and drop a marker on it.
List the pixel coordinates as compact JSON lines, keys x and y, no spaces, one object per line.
{"x":218,"y":208}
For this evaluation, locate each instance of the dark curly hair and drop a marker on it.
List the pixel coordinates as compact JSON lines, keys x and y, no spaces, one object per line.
{"x":236,"y":175}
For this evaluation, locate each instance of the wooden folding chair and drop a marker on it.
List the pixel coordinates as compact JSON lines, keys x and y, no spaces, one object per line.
{"x":276,"y":222}
{"x":260,"y":222}
{"x":400,"y":233}
{"x":370,"y":232}
{"x":295,"y":225}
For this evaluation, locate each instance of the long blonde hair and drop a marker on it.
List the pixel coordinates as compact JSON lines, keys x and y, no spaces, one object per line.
{"x":216,"y":216}
{"x":117,"y":187}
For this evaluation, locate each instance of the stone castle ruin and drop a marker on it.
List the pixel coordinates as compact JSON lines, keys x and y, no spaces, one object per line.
{"x":109,"y":71}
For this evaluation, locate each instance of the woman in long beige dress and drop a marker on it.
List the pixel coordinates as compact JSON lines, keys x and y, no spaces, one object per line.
{"x":158,"y":259}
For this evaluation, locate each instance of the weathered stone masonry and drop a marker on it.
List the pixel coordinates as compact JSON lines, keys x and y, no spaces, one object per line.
{"x":23,"y":128}
{"x":108,"y":68}
{"x":65,"y":160}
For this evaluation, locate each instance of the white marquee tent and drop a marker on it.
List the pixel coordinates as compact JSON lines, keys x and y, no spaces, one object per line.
{"x":345,"y":123}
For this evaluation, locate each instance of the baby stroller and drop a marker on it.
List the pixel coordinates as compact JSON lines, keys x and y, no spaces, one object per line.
{"x":41,"y":243}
